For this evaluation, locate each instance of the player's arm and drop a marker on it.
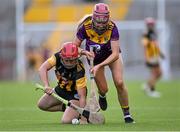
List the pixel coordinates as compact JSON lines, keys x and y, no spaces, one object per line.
{"x":115,"y":54}
{"x":162,"y":55}
{"x":78,"y":42}
{"x":81,"y":87}
{"x":43,"y":71}
{"x":80,"y":36}
{"x":160,"y":52}
{"x":144,"y":41}
{"x":82,"y":97}
{"x":81,"y":51}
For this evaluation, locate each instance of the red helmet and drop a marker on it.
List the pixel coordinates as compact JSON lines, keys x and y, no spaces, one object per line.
{"x":149,"y":21}
{"x":100,"y":17}
{"x":69,"y":55}
{"x":69,"y":51}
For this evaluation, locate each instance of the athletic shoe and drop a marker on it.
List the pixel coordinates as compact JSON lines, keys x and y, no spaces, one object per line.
{"x":153,"y":94}
{"x":128,"y":119}
{"x":103,"y":102}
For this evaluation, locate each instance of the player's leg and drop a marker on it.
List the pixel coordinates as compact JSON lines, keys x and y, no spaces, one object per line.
{"x":70,"y":113}
{"x":49,"y":103}
{"x":155,"y":76}
{"x":117,"y":74}
{"x":102,"y":87}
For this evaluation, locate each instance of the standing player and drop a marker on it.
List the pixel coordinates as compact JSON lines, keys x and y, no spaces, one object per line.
{"x":98,"y":30}
{"x":152,"y":55}
{"x":71,"y":86}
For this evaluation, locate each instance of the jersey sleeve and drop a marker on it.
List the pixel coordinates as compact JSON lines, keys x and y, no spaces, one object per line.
{"x":115,"y":34}
{"x":81,"y":83}
{"x":144,"y":40}
{"x":52,"y":60}
{"x":81,"y":33}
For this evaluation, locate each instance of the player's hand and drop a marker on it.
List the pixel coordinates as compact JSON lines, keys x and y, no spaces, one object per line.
{"x":88,"y":54}
{"x":48,"y":90}
{"x":95,"y":69}
{"x":83,"y":120}
{"x":162,"y":56}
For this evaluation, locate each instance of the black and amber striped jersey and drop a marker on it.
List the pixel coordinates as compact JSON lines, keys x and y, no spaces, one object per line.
{"x":68,"y":79}
{"x":151,"y":47}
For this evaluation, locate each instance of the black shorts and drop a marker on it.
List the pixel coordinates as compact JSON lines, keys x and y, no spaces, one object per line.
{"x":152,"y":65}
{"x":67,"y":95}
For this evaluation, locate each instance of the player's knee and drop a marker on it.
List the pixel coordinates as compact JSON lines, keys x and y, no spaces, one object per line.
{"x":119,"y":84}
{"x":42,"y":106}
{"x":158,"y":74}
{"x":65,"y":121}
{"x":103,"y":91}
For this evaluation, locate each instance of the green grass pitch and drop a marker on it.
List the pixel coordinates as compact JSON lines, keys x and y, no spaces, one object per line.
{"x":18,"y":110}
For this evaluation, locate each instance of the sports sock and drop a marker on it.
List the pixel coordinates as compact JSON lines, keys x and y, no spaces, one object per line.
{"x":125,"y":110}
{"x":152,"y":88}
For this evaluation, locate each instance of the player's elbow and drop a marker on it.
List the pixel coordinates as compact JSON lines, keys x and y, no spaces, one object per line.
{"x":115,"y":56}
{"x":40,"y":72}
{"x":41,"y":69}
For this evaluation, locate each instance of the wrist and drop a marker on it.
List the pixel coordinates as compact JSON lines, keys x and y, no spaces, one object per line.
{"x":46,"y":85}
{"x":82,"y":52}
{"x":100,"y":65}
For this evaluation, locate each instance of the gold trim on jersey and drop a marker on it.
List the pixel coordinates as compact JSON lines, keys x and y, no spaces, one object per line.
{"x":96,"y":38}
{"x":52,"y":60}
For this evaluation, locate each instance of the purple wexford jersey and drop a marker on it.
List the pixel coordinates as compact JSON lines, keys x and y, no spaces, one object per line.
{"x":86,"y":32}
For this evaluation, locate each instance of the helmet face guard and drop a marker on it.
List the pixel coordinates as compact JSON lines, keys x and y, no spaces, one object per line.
{"x":100,"y":18}
{"x":69,"y":55}
{"x":100,"y":23}
{"x":69,"y":63}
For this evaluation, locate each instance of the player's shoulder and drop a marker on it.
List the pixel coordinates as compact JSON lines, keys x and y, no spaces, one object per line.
{"x":58,"y":57}
{"x":112,"y":24}
{"x":57,"y":54}
{"x":84,"y":20}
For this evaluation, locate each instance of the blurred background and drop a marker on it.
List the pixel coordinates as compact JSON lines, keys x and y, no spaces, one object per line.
{"x":31,"y":30}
